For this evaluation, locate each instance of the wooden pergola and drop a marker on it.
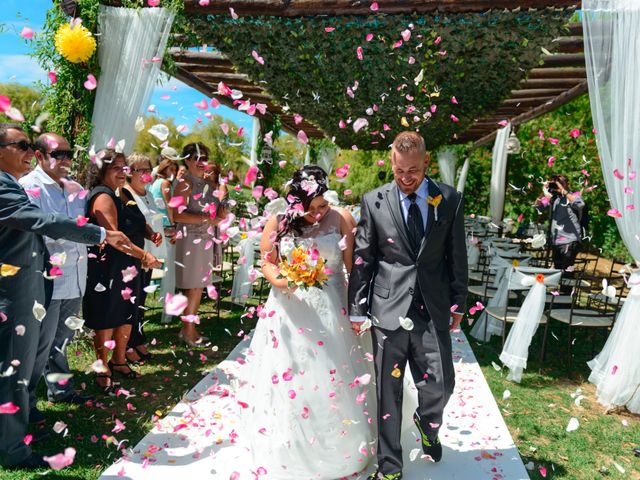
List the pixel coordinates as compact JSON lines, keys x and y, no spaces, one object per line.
{"x":559,"y":78}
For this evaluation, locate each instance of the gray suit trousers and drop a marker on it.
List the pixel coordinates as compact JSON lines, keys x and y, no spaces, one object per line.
{"x":427,"y":350}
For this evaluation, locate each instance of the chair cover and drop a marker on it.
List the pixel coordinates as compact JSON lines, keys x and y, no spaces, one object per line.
{"x":516,"y":349}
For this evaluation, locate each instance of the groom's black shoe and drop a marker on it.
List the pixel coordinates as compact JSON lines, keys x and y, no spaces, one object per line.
{"x":431,"y":447}
{"x":385,"y":476}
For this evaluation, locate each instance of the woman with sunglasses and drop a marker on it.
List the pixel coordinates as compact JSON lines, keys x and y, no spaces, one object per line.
{"x":138,"y":180}
{"x":114,"y":276}
{"x":197,"y":218}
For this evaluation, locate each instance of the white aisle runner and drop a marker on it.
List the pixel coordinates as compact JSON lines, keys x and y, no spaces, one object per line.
{"x":197,"y":439}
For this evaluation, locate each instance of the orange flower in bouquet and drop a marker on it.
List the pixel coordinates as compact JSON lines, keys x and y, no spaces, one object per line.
{"x":306,"y":269}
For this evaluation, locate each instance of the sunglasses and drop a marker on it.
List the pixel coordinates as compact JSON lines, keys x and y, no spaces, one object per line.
{"x":119,"y":168}
{"x":61,"y":154}
{"x":141,"y":170}
{"x":23,"y":145}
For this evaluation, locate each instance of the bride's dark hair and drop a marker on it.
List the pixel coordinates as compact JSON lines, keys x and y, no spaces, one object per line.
{"x":301,"y":191}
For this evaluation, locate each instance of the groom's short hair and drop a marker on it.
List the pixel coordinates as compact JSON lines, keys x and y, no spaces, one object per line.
{"x":409,"y":142}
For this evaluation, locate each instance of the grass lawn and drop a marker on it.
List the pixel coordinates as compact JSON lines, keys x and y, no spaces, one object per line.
{"x":537,"y":412}
{"x":173,"y":371}
{"x":539,"y":409}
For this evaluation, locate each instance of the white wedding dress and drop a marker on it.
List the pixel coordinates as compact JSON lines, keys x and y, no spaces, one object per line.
{"x":307,"y":386}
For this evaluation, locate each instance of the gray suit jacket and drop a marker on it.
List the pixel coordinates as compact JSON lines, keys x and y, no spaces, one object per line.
{"x":22,"y":225}
{"x":383,"y":278}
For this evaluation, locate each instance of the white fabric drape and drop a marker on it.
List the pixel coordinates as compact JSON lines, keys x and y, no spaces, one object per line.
{"x":447,"y":165}
{"x":462,"y":176}
{"x":326,"y":158}
{"x":616,"y":370}
{"x":515,"y":352}
{"x":612,"y":54}
{"x":255,"y":137}
{"x":131,"y":45}
{"x":498,"y":175}
{"x":245,"y":275}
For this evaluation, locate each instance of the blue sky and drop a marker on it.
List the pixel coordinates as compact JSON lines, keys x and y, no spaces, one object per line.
{"x":17,"y":66}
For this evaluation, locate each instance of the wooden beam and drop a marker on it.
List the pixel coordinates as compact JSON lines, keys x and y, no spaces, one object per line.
{"x":563,"y":83}
{"x":526,"y":102}
{"x":560,"y":72}
{"x":536,"y":92}
{"x":564,"y":60}
{"x":296,"y":8}
{"x":568,"y":45}
{"x":560,"y":100}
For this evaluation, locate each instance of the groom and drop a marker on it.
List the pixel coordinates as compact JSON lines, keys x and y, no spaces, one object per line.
{"x":409,"y":277}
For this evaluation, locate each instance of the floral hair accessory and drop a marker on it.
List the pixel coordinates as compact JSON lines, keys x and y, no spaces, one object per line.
{"x":540,"y":278}
{"x":515,"y":262}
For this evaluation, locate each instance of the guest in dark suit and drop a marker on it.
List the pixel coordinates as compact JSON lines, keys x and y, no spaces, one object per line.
{"x":23,"y":260}
{"x":410,"y":263}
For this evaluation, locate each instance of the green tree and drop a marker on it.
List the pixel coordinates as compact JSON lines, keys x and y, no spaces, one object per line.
{"x":560,"y":142}
{"x":229,"y":151}
{"x":26,"y":99}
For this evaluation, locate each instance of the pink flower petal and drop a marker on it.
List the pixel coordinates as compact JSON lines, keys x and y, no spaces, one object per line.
{"x":374,"y":7}
{"x":175,"y":304}
{"x":8,"y":408}
{"x":257,"y":57}
{"x":302,"y":137}
{"x":53,"y":77}
{"x":5,"y":103}
{"x":91,"y":83}
{"x":176,"y":202}
{"x":26,"y":33}
{"x":251,"y":175}
{"x":61,"y":460}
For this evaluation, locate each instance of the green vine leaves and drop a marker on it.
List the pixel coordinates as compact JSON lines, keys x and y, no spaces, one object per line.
{"x":395,"y":71}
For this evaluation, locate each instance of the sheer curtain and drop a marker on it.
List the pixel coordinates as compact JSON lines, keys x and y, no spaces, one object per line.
{"x":447,"y":165}
{"x":612,"y":54}
{"x":498,"y":175}
{"x":131,"y":46}
{"x":462,"y":176}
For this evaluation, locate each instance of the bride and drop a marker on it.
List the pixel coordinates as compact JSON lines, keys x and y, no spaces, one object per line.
{"x":310,"y":409}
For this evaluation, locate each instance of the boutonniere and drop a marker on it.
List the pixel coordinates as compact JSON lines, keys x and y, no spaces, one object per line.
{"x":434,"y":202}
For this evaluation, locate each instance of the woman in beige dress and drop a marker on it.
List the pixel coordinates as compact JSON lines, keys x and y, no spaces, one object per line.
{"x":197,"y":251}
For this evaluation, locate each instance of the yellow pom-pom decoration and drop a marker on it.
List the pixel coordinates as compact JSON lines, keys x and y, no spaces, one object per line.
{"x":75,"y":43}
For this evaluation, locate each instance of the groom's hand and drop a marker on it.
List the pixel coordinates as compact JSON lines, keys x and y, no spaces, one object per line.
{"x":457,"y":319}
{"x":357,"y":328}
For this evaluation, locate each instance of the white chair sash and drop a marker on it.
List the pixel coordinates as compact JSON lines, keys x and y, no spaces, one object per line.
{"x":516,"y":349}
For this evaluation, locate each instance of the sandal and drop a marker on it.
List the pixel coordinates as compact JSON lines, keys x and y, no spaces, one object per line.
{"x":142,"y":357}
{"x":106,"y":388}
{"x":131,"y":374}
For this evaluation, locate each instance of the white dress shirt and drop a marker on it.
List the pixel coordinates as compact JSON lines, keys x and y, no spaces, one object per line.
{"x":422,"y":195}
{"x":52,"y":198}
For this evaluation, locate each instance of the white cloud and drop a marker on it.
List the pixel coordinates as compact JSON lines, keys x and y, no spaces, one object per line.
{"x":20,"y":69}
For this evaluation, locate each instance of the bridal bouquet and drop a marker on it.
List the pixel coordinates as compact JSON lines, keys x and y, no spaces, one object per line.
{"x":306,"y":268}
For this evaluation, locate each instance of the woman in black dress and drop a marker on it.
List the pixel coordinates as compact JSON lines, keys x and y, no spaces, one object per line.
{"x":114,"y":276}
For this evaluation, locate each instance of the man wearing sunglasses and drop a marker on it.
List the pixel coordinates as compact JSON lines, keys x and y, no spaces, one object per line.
{"x":49,"y":188}
{"x":23,"y":262}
